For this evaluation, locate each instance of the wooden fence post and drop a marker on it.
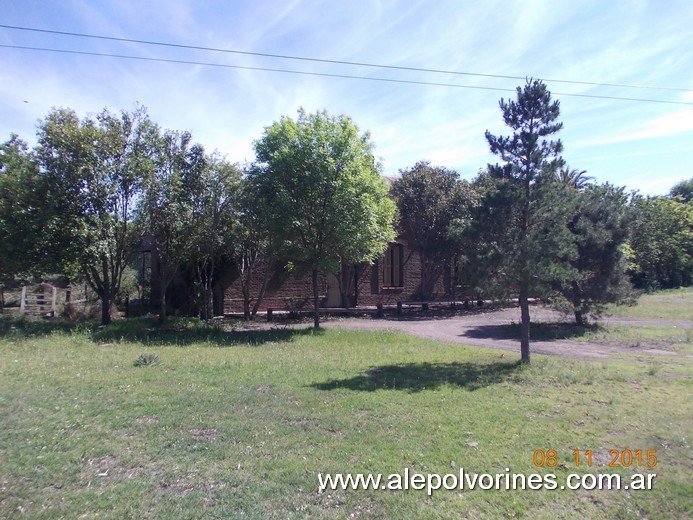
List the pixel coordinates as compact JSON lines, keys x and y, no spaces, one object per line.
{"x":54,"y":294}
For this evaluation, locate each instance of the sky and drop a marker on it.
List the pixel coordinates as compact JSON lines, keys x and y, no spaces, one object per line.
{"x":643,"y":145}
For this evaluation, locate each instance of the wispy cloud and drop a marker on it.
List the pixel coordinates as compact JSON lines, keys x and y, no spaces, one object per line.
{"x":636,"y":42}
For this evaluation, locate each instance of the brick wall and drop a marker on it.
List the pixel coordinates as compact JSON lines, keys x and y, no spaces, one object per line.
{"x":287,"y":288}
{"x":371,"y":289}
{"x":284,"y":289}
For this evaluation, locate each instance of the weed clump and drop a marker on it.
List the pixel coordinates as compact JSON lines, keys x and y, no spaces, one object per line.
{"x":147,"y":360}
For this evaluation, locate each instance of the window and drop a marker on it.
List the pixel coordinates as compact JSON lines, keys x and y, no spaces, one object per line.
{"x":393,"y":266}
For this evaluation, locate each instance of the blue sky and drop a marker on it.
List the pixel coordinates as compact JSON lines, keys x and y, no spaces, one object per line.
{"x":644,"y":146}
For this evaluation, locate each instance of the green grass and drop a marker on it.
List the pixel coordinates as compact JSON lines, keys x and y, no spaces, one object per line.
{"x":672,"y":304}
{"x":675,"y":304}
{"x":239,"y":425}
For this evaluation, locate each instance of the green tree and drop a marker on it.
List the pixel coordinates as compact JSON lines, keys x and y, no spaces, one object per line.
{"x":525,"y":210}
{"x":251,"y":243}
{"x":95,"y":169}
{"x":600,"y":229}
{"x":431,"y":201}
{"x":573,"y":177}
{"x":214,"y":211}
{"x":21,"y":197}
{"x":661,"y":242}
{"x":326,"y":203}
{"x":683,"y":189}
{"x":167,"y":207}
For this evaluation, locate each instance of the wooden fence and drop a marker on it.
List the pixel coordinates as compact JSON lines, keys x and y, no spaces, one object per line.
{"x":38,"y":300}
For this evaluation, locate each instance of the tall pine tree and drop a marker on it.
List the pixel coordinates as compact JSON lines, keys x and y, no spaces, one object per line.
{"x":525,"y":212}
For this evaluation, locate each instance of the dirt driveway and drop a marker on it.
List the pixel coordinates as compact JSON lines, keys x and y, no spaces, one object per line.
{"x":489,"y":328}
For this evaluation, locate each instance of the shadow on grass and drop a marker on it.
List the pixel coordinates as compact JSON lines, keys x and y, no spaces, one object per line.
{"x":417,"y":377}
{"x":25,"y":328}
{"x":177,"y":332}
{"x":550,"y":331}
{"x":183,"y":332}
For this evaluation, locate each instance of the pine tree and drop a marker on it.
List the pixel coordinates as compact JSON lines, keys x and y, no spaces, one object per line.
{"x":600,"y":229}
{"x":525,"y":212}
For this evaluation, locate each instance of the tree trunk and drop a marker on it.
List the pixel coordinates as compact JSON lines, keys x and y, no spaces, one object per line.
{"x":105,"y":310}
{"x":579,"y":320}
{"x":316,"y":302}
{"x":577,"y":305}
{"x":524,"y":329}
{"x":207,"y":307}
{"x":423,"y":294}
{"x":162,"y":310}
{"x":245,"y":291}
{"x":265,"y":281}
{"x":246,"y":305}
{"x":218,"y":300}
{"x":2,"y":300}
{"x":347,"y":281}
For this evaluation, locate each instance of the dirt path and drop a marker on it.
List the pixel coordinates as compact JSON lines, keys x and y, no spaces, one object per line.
{"x":489,"y":329}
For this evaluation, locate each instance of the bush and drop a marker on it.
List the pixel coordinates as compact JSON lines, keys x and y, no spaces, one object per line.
{"x":147,"y":360}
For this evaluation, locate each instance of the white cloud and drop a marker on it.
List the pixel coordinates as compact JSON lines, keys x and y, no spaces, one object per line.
{"x":228,"y":108}
{"x":673,"y":123}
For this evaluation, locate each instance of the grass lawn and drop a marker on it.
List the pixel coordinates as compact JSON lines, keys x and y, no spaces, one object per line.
{"x":673,"y":304}
{"x":240,"y":424}
{"x":668,"y":305}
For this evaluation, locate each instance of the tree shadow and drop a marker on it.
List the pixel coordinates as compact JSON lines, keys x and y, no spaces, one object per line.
{"x":417,"y":377}
{"x":177,"y":332}
{"x":439,"y":313}
{"x":549,"y":331}
{"x":27,"y":328}
{"x":187,"y":333}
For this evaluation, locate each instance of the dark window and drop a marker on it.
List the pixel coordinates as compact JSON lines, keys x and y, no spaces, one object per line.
{"x":393,"y":263}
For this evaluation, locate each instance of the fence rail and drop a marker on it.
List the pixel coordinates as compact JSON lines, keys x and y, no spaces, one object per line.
{"x":38,"y":300}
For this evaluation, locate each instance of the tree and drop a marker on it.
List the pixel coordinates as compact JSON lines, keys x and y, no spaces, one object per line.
{"x":22,"y":193}
{"x":95,"y":170}
{"x":166,"y":210}
{"x":573,"y":177}
{"x":431,"y":200}
{"x":251,"y":242}
{"x":661,"y":242}
{"x":525,"y":210}
{"x":214,"y":203}
{"x":683,"y":189}
{"x":600,"y":229}
{"x":326,"y":203}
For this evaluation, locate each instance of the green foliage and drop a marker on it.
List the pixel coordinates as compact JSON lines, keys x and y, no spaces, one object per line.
{"x":525,"y":243}
{"x":324,"y":202}
{"x":22,"y":195}
{"x":211,"y":231}
{"x":251,"y":243}
{"x":434,"y":206}
{"x":128,"y":284}
{"x":95,"y":170}
{"x":147,"y":360}
{"x":169,"y":203}
{"x":573,"y":177}
{"x":600,"y":227}
{"x":683,"y":189}
{"x":661,"y":242}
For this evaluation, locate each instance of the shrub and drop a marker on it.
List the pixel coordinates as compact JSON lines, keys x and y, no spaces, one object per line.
{"x":147,"y":360}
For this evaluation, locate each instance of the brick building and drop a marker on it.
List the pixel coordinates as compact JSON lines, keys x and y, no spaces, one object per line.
{"x":395,"y":276}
